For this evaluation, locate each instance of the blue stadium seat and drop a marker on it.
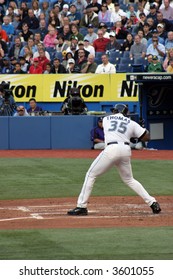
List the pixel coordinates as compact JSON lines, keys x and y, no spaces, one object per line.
{"x":83,"y":30}
{"x":126,"y":54}
{"x":141,"y":60}
{"x":126,"y":60}
{"x":124,"y":68}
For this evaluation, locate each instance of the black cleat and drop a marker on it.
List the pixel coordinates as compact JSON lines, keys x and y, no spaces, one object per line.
{"x":155,"y":207}
{"x":78,"y":211}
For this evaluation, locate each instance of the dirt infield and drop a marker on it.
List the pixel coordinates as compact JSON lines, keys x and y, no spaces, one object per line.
{"x":103,"y":211}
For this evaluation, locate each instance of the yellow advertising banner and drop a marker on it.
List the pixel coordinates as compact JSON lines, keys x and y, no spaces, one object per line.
{"x":55,"y":87}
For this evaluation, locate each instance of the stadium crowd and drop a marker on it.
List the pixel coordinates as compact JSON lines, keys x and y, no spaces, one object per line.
{"x":84,"y":36}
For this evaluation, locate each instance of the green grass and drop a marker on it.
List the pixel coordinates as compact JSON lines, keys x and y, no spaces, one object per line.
{"x":41,"y":178}
{"x":85,"y":244}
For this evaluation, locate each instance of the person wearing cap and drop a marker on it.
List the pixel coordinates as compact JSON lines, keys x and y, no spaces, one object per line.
{"x":104,"y":27}
{"x":161,"y":31}
{"x":71,"y":67}
{"x":74,"y":16}
{"x":167,"y":23}
{"x":117,"y":14}
{"x":167,"y":10}
{"x":21,"y":112}
{"x":7,"y":68}
{"x":75,"y":32}
{"x":89,"y":17}
{"x":35,"y":68}
{"x":80,"y":48}
{"x":105,"y":67}
{"x":113,"y":45}
{"x":153,"y":12}
{"x":91,"y":35}
{"x":88,"y":47}
{"x":94,"y":6}
{"x":104,"y":14}
{"x":73,"y":45}
{"x":155,"y":66}
{"x":90,"y":66}
{"x":97,"y":135}
{"x":156,"y":48}
{"x":65,"y":11}
{"x":57,"y":67}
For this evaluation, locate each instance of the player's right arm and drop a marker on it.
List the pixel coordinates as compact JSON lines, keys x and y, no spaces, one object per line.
{"x":145,"y":136}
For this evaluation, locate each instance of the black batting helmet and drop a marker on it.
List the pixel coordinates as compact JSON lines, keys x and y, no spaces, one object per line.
{"x":120,"y":108}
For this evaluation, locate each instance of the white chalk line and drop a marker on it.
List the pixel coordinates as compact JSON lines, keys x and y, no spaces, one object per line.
{"x":39,"y":214}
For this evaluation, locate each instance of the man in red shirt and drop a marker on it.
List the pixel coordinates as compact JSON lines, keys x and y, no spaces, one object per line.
{"x":35,"y":68}
{"x":42,"y":59}
{"x":100,"y":43}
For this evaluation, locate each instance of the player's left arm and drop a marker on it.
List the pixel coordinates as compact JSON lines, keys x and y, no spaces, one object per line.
{"x":145,"y":136}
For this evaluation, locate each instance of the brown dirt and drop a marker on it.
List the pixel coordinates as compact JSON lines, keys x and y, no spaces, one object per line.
{"x":103,"y":211}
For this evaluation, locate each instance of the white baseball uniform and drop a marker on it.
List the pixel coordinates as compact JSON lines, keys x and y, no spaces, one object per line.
{"x":118,"y":130}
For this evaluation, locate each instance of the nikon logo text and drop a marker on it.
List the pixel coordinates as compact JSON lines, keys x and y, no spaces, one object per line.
{"x":62,"y":89}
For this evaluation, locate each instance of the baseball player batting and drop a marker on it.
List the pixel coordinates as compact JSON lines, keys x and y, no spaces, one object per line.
{"x":118,"y":129}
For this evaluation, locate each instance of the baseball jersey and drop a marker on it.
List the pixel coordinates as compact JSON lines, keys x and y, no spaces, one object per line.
{"x":119,"y":128}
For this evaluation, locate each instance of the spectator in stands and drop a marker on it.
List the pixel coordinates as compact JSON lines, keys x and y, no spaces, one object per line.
{"x":168,"y":57}
{"x":102,"y":26}
{"x":61,"y":44}
{"x":169,"y":41}
{"x":155,"y":65}
{"x":7,"y":67}
{"x":16,"y":21}
{"x":167,"y":10}
{"x":141,"y":35}
{"x":24,"y":64}
{"x":66,"y":33}
{"x":137,"y":49}
{"x":80,"y":60}
{"x":141,"y":21}
{"x":27,"y":54}
{"x":33,"y":107}
{"x":3,"y":34}
{"x":161,"y":31}
{"x":31,"y":46}
{"x":21,"y":112}
{"x":104,"y":14}
{"x":155,"y":34}
{"x":89,"y":18}
{"x":50,"y":39}
{"x":75,"y":32}
{"x":59,"y":3}
{"x":14,"y":6}
{"x":23,"y":10}
{"x":42,"y":59}
{"x":80,"y":6}
{"x":42,"y":29}
{"x":156,"y":48}
{"x":31,"y":20}
{"x":41,"y":46}
{"x":100,"y":43}
{"x":113,"y":45}
{"x":17,"y":69}
{"x":106,"y":67}
{"x":152,"y":24}
{"x":149,"y":60}
{"x":88,"y":47}
{"x":74,"y":16}
{"x":73,"y":45}
{"x":35,"y":68}
{"x":141,"y":10}
{"x":94,"y":6}
{"x":57,"y":67}
{"x":117,"y":14}
{"x":64,"y":21}
{"x":25,"y":34}
{"x":53,"y":19}
{"x":80,"y":48}
{"x":128,"y":43}
{"x":70,"y":67}
{"x":110,"y":5}
{"x":67,"y":56}
{"x":147,"y":32}
{"x":7,"y":26}
{"x":1,"y":52}
{"x":91,"y":35}
{"x":16,"y":48}
{"x":153,"y":12}
{"x":119,"y":30}
{"x":97,"y":135}
{"x":167,"y":23}
{"x":35,"y":7}
{"x":89,"y":66}
{"x":65,"y":11}
{"x":169,"y":69}
{"x":45,"y":8}
{"x":48,"y":68}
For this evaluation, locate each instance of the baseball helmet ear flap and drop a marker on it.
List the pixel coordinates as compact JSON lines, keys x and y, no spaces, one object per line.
{"x":120,"y":108}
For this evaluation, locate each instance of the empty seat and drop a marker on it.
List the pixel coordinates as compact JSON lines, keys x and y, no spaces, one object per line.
{"x":124,"y":68}
{"x":126,"y":60}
